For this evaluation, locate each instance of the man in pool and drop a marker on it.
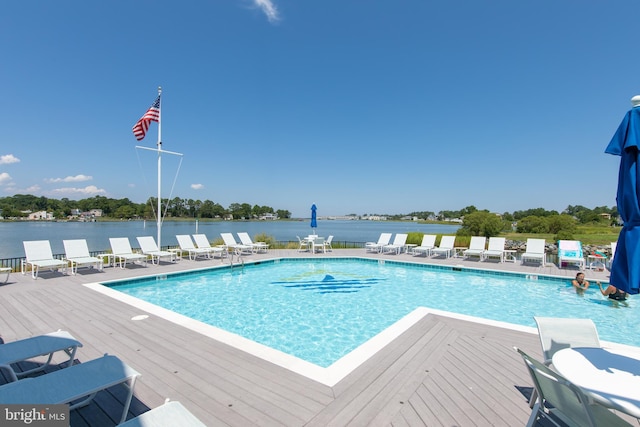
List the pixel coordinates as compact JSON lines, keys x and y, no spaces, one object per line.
{"x":613,"y":293}
{"x":580,"y":284}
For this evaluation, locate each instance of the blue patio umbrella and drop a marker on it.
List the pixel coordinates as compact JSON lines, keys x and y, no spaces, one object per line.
{"x":314,"y":223}
{"x":625,"y":270}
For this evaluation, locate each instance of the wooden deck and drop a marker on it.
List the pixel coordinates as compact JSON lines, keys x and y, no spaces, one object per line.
{"x":441,"y":372}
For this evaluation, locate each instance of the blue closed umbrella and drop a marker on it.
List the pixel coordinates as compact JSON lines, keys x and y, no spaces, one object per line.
{"x":625,"y":269}
{"x":314,"y":223}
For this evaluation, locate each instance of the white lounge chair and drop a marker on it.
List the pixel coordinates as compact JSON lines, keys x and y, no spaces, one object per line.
{"x":570,"y":252}
{"x":186,"y":245}
{"x":614,"y":246}
{"x":202,"y":241}
{"x":383,"y":240}
{"x":398,"y":244}
{"x":256,"y":246}
{"x":76,"y":382}
{"x":558,"y":333}
{"x":427,"y":244}
{"x":534,"y":251}
{"x":121,"y":250}
{"x":149,"y":247}
{"x":171,"y":414}
{"x":38,"y":255}
{"x":446,"y":246}
{"x":77,"y":254}
{"x":560,"y":399}
{"x":495,"y":249}
{"x":238,"y":248}
{"x":476,"y":247}
{"x":5,"y":270}
{"x":34,"y":347}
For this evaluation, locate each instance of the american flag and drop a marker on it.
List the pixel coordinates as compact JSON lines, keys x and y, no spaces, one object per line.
{"x":152,"y":115}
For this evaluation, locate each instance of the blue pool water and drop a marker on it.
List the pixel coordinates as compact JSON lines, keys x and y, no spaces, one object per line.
{"x":320,"y":310}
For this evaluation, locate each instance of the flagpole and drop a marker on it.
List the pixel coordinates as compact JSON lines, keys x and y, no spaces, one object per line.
{"x":159,"y":214}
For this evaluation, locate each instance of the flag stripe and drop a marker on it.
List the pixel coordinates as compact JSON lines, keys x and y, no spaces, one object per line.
{"x":152,"y":115}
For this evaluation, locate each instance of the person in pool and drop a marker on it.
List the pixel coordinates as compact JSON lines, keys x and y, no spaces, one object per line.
{"x":580,"y":284}
{"x":613,"y":293}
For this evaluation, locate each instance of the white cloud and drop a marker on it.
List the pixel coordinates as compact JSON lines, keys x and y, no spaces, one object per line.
{"x":77,"y":178}
{"x":197,"y":186}
{"x":4,"y":178}
{"x":269,"y":9}
{"x":8,"y":158}
{"x":89,"y":189}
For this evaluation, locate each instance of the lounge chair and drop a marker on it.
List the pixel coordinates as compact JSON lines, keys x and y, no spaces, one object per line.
{"x":5,"y":270}
{"x":238,"y":248}
{"x":186,"y":245}
{"x":476,"y":247}
{"x":81,"y":381}
{"x":560,"y":399}
{"x":256,"y":246}
{"x":446,"y":246}
{"x":149,"y":247}
{"x":398,"y":244}
{"x":427,"y":244}
{"x":570,"y":252}
{"x":34,"y":347}
{"x":202,"y":242}
{"x":77,"y":254}
{"x":495,"y":249}
{"x":534,"y":251}
{"x":121,"y":249}
{"x":171,"y":414}
{"x":38,"y":255}
{"x":383,"y":240}
{"x":614,"y":246}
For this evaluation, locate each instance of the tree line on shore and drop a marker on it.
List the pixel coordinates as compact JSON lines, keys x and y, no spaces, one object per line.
{"x":474,"y":221}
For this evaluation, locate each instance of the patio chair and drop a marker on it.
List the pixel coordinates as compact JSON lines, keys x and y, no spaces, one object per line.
{"x":534,"y":251}
{"x":446,"y":246}
{"x":558,"y":333}
{"x":614,"y":245}
{"x":427,"y":244}
{"x":563,"y":403}
{"x":149,"y":247}
{"x":31,"y":348}
{"x":398,"y":243}
{"x":327,"y":243}
{"x":77,"y":254}
{"x":256,"y":246}
{"x":238,"y":248}
{"x":383,"y":240}
{"x":78,"y":384}
{"x":476,"y":247}
{"x":121,"y":249}
{"x":202,"y":242}
{"x":186,"y":245}
{"x":318,"y":244}
{"x":570,"y":252}
{"x":495,"y":249}
{"x":303,"y":244}
{"x":38,"y":255}
{"x":170,"y":414}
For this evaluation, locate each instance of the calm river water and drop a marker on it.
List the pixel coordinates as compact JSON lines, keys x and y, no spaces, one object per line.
{"x":97,"y":234}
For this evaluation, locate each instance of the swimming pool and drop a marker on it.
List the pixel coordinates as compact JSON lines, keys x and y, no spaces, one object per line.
{"x":320,"y":310}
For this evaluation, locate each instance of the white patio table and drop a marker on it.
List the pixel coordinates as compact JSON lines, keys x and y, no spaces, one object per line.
{"x":610,"y":376}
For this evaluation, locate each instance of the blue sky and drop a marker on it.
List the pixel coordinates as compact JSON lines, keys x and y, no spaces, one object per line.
{"x":358,"y":106}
